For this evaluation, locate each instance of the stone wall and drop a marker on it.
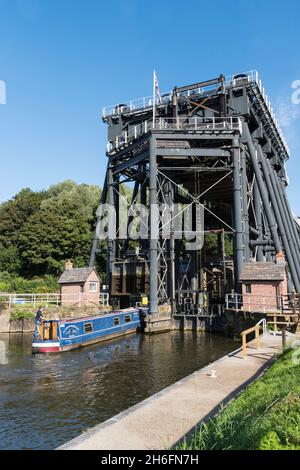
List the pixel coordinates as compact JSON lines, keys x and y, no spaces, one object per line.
{"x":15,"y":326}
{"x":53,"y":313}
{"x":21,"y":326}
{"x":4,"y":321}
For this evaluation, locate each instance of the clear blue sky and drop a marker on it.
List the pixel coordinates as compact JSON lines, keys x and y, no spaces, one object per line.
{"x":63,"y":60}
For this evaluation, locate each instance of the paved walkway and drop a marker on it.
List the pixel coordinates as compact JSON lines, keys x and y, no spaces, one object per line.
{"x":160,"y":421}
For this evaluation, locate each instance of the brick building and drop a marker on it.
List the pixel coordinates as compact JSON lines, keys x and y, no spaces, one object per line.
{"x":79,"y":286}
{"x":263,"y":283}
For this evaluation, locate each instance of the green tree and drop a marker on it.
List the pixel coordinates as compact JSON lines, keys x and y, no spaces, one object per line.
{"x":15,"y":212}
{"x":61,"y":229}
{"x":10,"y":259}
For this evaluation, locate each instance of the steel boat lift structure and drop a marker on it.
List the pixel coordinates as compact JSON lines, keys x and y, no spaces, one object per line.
{"x":214,"y":145}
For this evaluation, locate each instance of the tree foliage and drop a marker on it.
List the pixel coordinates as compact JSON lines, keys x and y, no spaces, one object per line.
{"x":40,"y":230}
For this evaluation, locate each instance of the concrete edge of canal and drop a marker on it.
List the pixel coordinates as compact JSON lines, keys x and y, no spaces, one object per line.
{"x":164,"y":419}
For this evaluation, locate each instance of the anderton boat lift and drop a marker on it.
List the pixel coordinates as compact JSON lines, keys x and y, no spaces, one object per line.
{"x":214,"y":147}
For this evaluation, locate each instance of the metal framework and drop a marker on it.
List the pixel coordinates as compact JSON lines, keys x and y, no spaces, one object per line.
{"x":214,"y":155}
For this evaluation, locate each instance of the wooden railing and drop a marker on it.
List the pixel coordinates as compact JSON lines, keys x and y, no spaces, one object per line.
{"x":295,"y":303}
{"x":255,"y":329}
{"x":280,"y":311}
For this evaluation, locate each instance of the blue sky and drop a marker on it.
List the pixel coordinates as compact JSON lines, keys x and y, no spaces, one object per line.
{"x":63,"y":60}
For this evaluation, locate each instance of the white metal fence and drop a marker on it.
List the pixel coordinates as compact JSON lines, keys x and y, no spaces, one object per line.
{"x":255,"y":303}
{"x":56,"y":299}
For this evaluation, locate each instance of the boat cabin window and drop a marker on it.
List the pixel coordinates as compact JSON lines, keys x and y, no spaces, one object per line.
{"x":127,"y":318}
{"x":116,"y":321}
{"x":88,"y":327}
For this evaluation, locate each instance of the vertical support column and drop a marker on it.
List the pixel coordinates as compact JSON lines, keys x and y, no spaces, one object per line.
{"x":153,"y":221}
{"x":143,"y":201}
{"x":175,"y":107}
{"x":245,"y":204}
{"x":224,"y":262}
{"x":266,"y":229}
{"x":171,"y":248}
{"x":99,"y":216}
{"x":258,"y":216}
{"x":289,"y":282}
{"x":193,"y":254}
{"x":117,"y":218}
{"x":238,"y":224}
{"x":177,"y":245}
{"x":131,"y":216}
{"x":172,"y":272}
{"x":111,"y":227}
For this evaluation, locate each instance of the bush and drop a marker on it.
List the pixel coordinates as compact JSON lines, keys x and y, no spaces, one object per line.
{"x":15,"y":284}
{"x":21,"y":314}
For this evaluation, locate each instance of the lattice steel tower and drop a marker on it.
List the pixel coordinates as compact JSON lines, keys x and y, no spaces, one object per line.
{"x":213,"y":148}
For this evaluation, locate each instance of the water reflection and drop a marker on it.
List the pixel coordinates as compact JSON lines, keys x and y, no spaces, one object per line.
{"x":46,"y":400}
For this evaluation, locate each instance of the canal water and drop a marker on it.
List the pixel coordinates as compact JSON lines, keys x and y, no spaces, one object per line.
{"x":46,"y":400}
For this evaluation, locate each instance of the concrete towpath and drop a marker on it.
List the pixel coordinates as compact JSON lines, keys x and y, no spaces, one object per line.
{"x":160,"y":421}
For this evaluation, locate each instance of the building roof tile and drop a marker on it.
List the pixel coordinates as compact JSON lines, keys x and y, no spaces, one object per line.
{"x":75,"y":275}
{"x":262,"y":271}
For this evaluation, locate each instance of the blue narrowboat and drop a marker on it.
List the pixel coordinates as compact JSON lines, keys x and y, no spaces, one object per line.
{"x":64,"y":335}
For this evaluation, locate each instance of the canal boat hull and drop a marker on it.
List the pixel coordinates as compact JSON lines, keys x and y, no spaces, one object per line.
{"x":65,"y":335}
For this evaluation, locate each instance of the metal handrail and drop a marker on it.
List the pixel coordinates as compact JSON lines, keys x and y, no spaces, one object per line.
{"x":229,"y":123}
{"x":146,"y":102}
{"x":263,"y":322}
{"x":53,"y":298}
{"x":143,"y":103}
{"x":244,"y":301}
{"x":255,"y":329}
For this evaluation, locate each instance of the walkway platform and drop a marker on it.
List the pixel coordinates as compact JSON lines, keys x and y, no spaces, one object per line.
{"x":162,"y":420}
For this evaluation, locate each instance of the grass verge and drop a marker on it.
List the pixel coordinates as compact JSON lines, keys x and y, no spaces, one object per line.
{"x":266,"y":416}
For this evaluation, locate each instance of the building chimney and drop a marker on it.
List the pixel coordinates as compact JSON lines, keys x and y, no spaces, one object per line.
{"x":280,"y":259}
{"x":69,"y":265}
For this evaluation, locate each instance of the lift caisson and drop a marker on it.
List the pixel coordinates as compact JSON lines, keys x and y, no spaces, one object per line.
{"x":200,"y":173}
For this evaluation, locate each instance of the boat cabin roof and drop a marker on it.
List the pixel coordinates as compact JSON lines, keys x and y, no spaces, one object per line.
{"x":105,"y":315}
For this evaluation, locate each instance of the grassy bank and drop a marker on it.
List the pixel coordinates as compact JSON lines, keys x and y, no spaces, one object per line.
{"x":265,"y":416}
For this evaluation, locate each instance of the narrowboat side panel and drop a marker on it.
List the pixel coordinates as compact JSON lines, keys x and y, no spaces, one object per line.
{"x":88,"y":330}
{"x":99,"y":339}
{"x":72,"y":334}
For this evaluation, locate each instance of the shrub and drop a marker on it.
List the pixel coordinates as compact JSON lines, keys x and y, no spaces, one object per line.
{"x":21,"y":314}
{"x":15,"y":284}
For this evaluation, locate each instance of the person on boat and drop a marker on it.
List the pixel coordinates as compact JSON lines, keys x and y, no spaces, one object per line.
{"x":39,"y":317}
